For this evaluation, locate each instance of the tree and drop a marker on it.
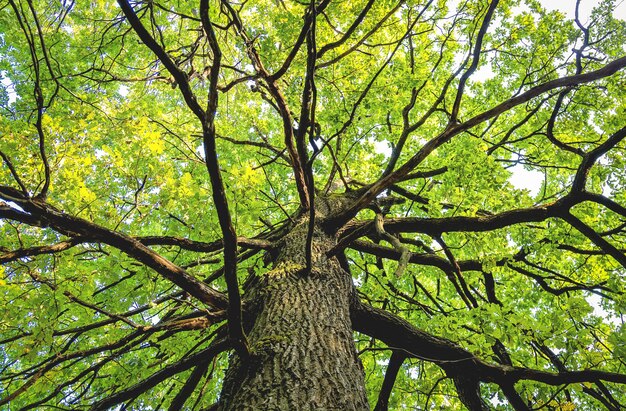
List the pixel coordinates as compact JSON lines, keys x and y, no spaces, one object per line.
{"x":285,"y":205}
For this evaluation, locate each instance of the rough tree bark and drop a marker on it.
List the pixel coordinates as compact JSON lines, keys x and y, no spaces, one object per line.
{"x":302,"y":352}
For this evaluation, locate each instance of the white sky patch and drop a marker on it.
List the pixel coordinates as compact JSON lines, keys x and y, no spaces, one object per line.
{"x":318,"y":142}
{"x":524,"y":179}
{"x":604,"y":160}
{"x":99,"y":153}
{"x":483,"y":73}
{"x":607,"y":191}
{"x":14,"y":206}
{"x":383,"y":147}
{"x":123,"y":90}
{"x":568,"y":8}
{"x":9,"y":87}
{"x":595,"y":301}
{"x":200,"y":151}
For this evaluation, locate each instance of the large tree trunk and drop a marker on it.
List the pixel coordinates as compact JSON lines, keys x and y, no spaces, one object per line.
{"x":302,"y":349}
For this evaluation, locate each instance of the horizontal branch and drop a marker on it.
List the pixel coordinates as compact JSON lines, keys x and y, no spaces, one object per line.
{"x":415,"y":258}
{"x":454,"y":129}
{"x":192,"y":245}
{"x":561,"y":378}
{"x":437,"y":226}
{"x":44,"y":249}
{"x":184,"y":243}
{"x":42,"y":215}
{"x":400,"y":335}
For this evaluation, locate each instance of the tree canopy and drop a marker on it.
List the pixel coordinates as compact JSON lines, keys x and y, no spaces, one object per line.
{"x":157,"y":155}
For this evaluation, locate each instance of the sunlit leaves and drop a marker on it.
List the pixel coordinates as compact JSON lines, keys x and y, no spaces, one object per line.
{"x":126,"y":153}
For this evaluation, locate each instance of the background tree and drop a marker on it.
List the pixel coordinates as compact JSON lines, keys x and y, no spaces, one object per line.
{"x":289,"y":205}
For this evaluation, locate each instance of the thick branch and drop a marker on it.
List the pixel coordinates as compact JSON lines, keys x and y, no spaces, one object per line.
{"x":454,"y":129}
{"x":201,"y":246}
{"x":437,"y":226}
{"x":309,"y":19}
{"x":235,"y":327}
{"x":595,"y":238}
{"x":44,"y":216}
{"x":395,"y":362}
{"x":34,"y":251}
{"x":190,"y":385}
{"x":405,"y":254}
{"x":297,"y":163}
{"x":590,"y":158}
{"x":349,"y":32}
{"x":399,"y":334}
{"x":180,"y":76}
{"x":199,"y":358}
{"x":184,"y":243}
{"x":475,"y":59}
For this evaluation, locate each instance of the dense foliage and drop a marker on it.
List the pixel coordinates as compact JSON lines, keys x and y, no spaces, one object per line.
{"x":153,"y":153}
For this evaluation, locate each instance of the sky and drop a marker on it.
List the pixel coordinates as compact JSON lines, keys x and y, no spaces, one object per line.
{"x":532,"y":180}
{"x":568,"y":7}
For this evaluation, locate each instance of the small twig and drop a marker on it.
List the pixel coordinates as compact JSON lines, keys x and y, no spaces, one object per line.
{"x":461,"y":285}
{"x":405,"y":254}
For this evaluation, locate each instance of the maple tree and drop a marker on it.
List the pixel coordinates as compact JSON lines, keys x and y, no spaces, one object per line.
{"x":279,"y":205}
